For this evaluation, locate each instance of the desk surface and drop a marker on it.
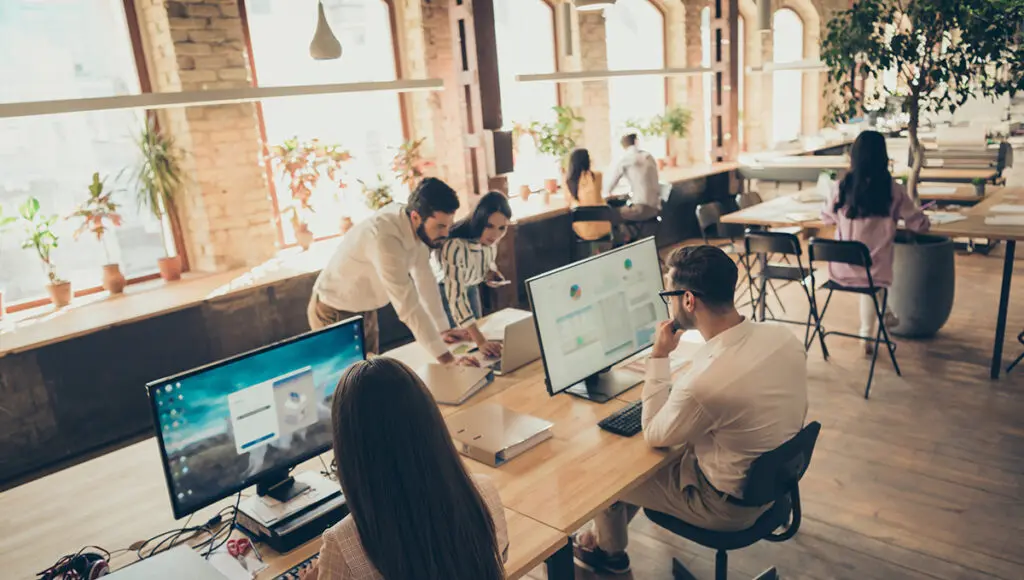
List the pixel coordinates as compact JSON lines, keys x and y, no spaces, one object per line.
{"x":957,"y":174}
{"x":548,"y":492}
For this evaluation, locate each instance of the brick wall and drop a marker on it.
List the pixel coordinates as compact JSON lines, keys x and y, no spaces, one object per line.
{"x":593,"y":103}
{"x":227,"y":215}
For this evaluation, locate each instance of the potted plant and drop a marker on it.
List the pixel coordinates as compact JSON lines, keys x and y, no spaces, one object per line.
{"x":557,"y":139}
{"x":5,"y":222}
{"x":674,"y":123}
{"x":408,"y":164}
{"x":95,"y":213}
{"x":158,"y":180}
{"x":944,"y":52}
{"x":302,"y":164}
{"x":39,"y":236}
{"x":979,"y":186}
{"x":377,"y":195}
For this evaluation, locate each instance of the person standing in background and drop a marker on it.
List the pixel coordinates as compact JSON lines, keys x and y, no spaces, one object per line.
{"x":468,"y":259}
{"x":641,"y":172}
{"x":386,"y":259}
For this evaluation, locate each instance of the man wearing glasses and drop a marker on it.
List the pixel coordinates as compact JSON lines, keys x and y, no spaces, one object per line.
{"x":744,"y":394}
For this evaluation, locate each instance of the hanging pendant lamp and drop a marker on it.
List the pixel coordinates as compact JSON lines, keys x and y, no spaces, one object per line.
{"x":325,"y":45}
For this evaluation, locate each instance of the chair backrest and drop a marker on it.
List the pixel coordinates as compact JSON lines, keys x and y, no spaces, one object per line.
{"x":748,"y":199}
{"x":592,"y":213}
{"x":709,"y":220}
{"x":758,"y":242}
{"x":843,"y":252}
{"x":777,"y":472}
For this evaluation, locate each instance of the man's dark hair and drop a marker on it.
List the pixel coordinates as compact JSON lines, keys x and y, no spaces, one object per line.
{"x":432,"y":195}
{"x":706,"y":271}
{"x":628,"y":140}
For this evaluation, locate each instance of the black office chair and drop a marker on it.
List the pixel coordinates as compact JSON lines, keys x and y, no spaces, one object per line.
{"x":1016,"y":361}
{"x":773,"y":477}
{"x":590,"y":214}
{"x":854,"y":254}
{"x":766,"y":244}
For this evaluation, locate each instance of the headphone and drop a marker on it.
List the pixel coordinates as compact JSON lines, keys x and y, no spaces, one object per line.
{"x":81,"y":566}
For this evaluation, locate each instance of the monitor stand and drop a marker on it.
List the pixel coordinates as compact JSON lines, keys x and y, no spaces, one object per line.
{"x":312,"y":504}
{"x":603,"y":386}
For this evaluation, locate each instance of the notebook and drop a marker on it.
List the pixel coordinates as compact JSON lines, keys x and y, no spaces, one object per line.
{"x":492,"y":434}
{"x":453,"y":384}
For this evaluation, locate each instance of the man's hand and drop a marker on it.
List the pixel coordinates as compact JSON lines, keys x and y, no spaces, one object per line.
{"x":490,"y":349}
{"x":666,"y":339}
{"x":454,"y":335}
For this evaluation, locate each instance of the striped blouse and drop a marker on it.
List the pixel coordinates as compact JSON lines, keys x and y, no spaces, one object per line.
{"x":461,"y":264}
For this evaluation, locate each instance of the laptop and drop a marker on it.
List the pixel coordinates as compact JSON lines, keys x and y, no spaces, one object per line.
{"x":174,"y":564}
{"x":519,"y":347}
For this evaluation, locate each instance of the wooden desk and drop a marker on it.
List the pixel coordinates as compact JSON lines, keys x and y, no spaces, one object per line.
{"x":773,"y":213}
{"x":121,"y":498}
{"x":957,"y":175}
{"x":959,"y":195}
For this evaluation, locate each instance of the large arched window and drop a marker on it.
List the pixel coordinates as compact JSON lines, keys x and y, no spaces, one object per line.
{"x":525,"y":36}
{"x":69,"y":50}
{"x":635,"y":33}
{"x":787,"y":86}
{"x":368,"y":125}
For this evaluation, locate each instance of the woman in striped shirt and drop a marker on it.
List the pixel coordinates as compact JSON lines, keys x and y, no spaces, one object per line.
{"x":467,"y":260}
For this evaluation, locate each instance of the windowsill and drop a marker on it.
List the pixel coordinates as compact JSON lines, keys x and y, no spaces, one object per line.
{"x":42,"y":326}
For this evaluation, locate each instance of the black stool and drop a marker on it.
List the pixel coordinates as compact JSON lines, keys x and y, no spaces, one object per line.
{"x":709,"y":220}
{"x":593,"y":214}
{"x":773,"y":477}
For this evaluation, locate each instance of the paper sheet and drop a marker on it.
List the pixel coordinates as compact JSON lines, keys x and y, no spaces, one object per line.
{"x":799,"y":217}
{"x":1005,"y":220}
{"x":936,"y":189}
{"x":939,"y":218}
{"x":1007,"y":208}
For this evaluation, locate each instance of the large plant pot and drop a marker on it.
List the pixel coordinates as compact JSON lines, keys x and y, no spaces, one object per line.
{"x":170,"y":268}
{"x":113,"y":279}
{"x":924,"y":278}
{"x":60,"y":293}
{"x":551,"y":185}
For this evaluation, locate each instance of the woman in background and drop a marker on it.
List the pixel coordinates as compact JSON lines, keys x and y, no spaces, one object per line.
{"x":467,"y":260}
{"x":583,"y":188}
{"x":415,"y":511}
{"x":866,"y":207}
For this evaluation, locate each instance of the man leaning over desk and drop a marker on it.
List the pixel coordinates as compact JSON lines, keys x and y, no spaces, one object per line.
{"x":744,"y":394}
{"x":386,"y":259}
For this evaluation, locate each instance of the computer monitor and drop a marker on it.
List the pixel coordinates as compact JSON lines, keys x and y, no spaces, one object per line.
{"x":595,"y":313}
{"x":249,"y":419}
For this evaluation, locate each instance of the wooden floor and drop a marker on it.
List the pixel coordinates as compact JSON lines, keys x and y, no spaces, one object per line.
{"x":924,"y":480}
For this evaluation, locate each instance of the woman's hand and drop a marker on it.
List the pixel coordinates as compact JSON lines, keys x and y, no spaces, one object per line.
{"x":311,"y":573}
{"x":495,"y":279}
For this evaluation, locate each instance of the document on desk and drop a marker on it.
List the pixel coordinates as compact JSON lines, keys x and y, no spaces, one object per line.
{"x":939,"y":218}
{"x":1007,"y":208}
{"x":493,"y":435}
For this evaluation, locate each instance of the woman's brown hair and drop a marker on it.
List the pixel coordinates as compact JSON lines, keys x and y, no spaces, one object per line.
{"x":418,"y":513}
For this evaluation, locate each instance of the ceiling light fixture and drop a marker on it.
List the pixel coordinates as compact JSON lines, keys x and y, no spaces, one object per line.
{"x":325,"y":45}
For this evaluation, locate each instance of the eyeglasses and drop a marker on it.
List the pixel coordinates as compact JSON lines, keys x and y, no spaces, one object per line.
{"x":667,"y":294}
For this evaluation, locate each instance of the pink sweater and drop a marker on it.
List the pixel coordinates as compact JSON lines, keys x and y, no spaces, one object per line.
{"x":878,"y":233}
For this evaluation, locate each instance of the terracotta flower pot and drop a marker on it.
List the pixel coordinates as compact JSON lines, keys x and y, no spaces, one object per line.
{"x":304,"y":238}
{"x":524,"y":192}
{"x":60,"y":293}
{"x":661,"y":164}
{"x":113,"y":279}
{"x":346,"y":224}
{"x":670,"y":161}
{"x":551,"y":185}
{"x":170,"y":268}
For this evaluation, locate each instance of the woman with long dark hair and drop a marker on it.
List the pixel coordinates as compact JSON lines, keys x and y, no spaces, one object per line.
{"x":583,"y":188}
{"x":415,"y":511}
{"x":469,"y":258}
{"x":866,"y":207}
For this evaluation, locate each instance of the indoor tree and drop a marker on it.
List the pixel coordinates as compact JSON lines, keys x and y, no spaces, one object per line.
{"x":943,"y":52}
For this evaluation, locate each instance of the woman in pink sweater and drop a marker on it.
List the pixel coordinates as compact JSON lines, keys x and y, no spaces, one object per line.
{"x":866,"y":207}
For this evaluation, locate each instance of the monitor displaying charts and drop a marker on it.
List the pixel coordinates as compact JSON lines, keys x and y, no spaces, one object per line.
{"x":597,"y":312}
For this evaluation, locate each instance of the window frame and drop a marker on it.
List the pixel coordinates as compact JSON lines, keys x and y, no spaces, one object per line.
{"x":803,"y":55}
{"x":267,"y":164}
{"x":169,"y":226}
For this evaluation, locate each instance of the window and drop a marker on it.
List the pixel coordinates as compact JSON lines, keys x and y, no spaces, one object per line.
{"x":367,"y":125}
{"x":741,"y":68}
{"x":787,"y":85}
{"x":524,"y":32}
{"x":79,"y":49}
{"x":635,"y":33}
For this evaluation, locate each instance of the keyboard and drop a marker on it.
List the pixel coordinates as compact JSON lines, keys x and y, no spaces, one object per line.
{"x":625,"y":421}
{"x":296,"y":571}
